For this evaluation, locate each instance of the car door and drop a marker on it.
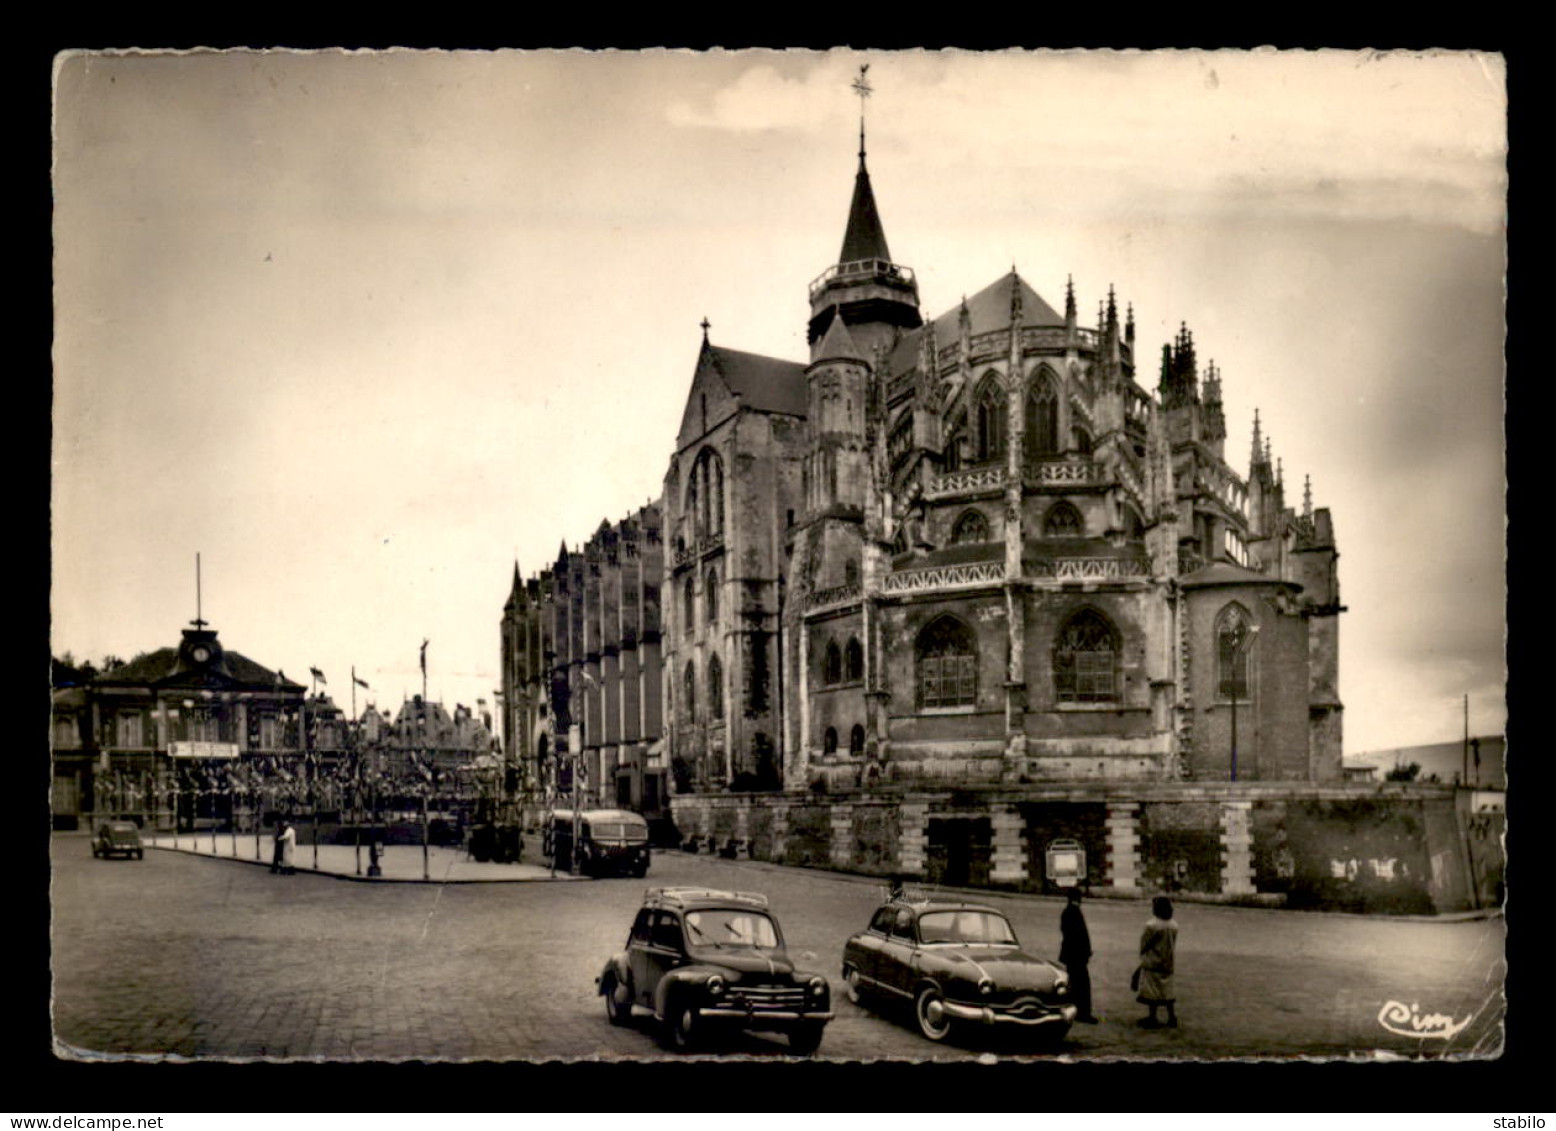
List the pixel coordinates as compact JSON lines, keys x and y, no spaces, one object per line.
{"x":866,"y":950}
{"x":638,"y":943}
{"x":664,"y":952}
{"x":898,"y":949}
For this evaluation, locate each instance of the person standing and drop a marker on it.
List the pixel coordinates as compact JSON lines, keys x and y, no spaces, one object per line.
{"x":1075,"y":954}
{"x":275,"y":850}
{"x":286,"y":845}
{"x":1158,"y":953}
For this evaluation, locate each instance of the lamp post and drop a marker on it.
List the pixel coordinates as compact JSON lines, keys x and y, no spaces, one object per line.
{"x":1242,"y":640}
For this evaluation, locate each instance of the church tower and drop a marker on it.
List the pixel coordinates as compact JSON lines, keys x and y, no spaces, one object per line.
{"x":874,"y":297}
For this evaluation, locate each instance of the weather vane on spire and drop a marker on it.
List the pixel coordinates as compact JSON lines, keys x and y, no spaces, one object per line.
{"x":863,"y":90}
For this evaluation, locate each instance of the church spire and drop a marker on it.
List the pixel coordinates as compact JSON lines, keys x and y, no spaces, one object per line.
{"x":1258,"y":443}
{"x":876,"y":297}
{"x":864,"y":238}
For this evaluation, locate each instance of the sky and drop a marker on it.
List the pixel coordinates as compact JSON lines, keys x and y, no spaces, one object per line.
{"x":362,"y":330}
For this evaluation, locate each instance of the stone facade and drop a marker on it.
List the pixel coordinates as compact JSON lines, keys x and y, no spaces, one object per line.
{"x":957,"y":589}
{"x":581,"y":644}
{"x":1399,"y":848}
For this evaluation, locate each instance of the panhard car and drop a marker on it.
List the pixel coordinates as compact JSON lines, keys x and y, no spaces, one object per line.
{"x":956,"y":964}
{"x":117,"y":838}
{"x":707,"y":961}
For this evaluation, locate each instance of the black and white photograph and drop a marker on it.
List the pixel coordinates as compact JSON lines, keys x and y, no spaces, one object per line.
{"x":770,"y":556}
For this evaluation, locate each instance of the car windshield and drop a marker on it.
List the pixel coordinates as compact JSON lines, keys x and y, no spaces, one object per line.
{"x":120,"y":827}
{"x":724,"y":927}
{"x":967,"y":928}
{"x":618,"y":830}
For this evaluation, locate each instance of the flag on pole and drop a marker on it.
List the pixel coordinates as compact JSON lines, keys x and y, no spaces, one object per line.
{"x":317,"y":674}
{"x":359,"y":682}
{"x":424,"y":644}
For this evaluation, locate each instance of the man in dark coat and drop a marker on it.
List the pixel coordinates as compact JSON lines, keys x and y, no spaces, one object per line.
{"x":1075,"y":954}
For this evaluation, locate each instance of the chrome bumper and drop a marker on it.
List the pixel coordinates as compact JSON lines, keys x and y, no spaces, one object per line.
{"x":983,"y":1014}
{"x":753,"y":1016}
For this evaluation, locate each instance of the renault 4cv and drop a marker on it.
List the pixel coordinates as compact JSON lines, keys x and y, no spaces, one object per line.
{"x":705,"y":962}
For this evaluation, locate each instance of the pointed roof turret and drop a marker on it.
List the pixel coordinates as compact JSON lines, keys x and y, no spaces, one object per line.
{"x":864,"y":238}
{"x":1258,"y":443}
{"x":837,"y":344}
{"x":1307,"y":497}
{"x":865,"y":287}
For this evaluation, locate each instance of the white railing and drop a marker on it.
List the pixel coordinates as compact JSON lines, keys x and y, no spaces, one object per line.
{"x":970,"y":479}
{"x":945,"y":577}
{"x":1064,"y":473}
{"x":837,"y":595}
{"x":1091,"y":569}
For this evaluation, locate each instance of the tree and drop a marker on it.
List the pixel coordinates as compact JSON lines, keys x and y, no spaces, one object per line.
{"x":1404,"y":773}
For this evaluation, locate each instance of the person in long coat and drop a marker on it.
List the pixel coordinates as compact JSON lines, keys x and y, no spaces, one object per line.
{"x":1075,"y":954}
{"x":286,"y":844}
{"x":1158,"y":954}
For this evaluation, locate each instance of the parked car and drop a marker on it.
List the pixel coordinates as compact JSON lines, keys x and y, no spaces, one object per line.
{"x":610,"y":841}
{"x":956,"y":964}
{"x":117,"y":838}
{"x":704,"y":961}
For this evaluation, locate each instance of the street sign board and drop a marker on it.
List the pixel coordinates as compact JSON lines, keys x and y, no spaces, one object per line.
{"x":1066,"y":863}
{"x":203,"y":749}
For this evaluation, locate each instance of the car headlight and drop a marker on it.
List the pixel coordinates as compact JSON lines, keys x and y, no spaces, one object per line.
{"x":986,"y":987}
{"x":1061,"y":985}
{"x":818,"y":985}
{"x":716,"y":986}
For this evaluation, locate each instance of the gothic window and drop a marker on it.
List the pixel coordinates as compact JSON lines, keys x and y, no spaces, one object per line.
{"x":1042,"y":417}
{"x":1133,"y":523}
{"x":856,"y":740}
{"x":899,"y":543}
{"x":990,"y":421}
{"x":1063,"y":521}
{"x":829,"y":741}
{"x":853,"y":660}
{"x":1086,"y":659}
{"x":901,"y":440}
{"x":971,"y":527}
{"x":850,"y":573}
{"x":956,"y":440}
{"x":691,"y":511}
{"x":1233,"y":636}
{"x":1080,"y":440}
{"x":832,"y":665}
{"x":715,"y":689}
{"x":711,"y":596}
{"x":947,"y":661}
{"x":688,"y":606}
{"x":689,"y":690}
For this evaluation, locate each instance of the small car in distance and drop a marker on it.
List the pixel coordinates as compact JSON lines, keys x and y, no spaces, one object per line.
{"x":956,"y":964}
{"x":610,"y":841}
{"x":117,"y":838}
{"x":708,"y":961}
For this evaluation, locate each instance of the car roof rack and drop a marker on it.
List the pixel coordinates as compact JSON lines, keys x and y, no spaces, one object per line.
{"x":685,"y":895}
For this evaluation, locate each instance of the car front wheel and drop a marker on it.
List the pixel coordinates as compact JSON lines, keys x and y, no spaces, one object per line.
{"x":932,"y":1019}
{"x":806,"y":1039}
{"x":685,"y":1028}
{"x":855,"y":985}
{"x":140,"y":854}
{"x":618,"y":1000}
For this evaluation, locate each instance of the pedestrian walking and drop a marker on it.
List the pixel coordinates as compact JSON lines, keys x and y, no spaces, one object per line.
{"x":275,"y":848}
{"x":1075,"y":954}
{"x":286,"y":844}
{"x":1153,"y":977}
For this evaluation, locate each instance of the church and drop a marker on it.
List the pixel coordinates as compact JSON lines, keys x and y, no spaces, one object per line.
{"x":958,"y":593}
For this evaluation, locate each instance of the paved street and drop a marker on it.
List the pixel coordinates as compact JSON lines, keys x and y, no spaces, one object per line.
{"x":199,"y":957}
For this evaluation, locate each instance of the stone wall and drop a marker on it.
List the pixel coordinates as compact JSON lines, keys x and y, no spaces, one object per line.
{"x":1398,"y":849}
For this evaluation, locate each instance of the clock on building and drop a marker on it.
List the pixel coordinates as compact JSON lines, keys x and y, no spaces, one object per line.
{"x":201,"y":654}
